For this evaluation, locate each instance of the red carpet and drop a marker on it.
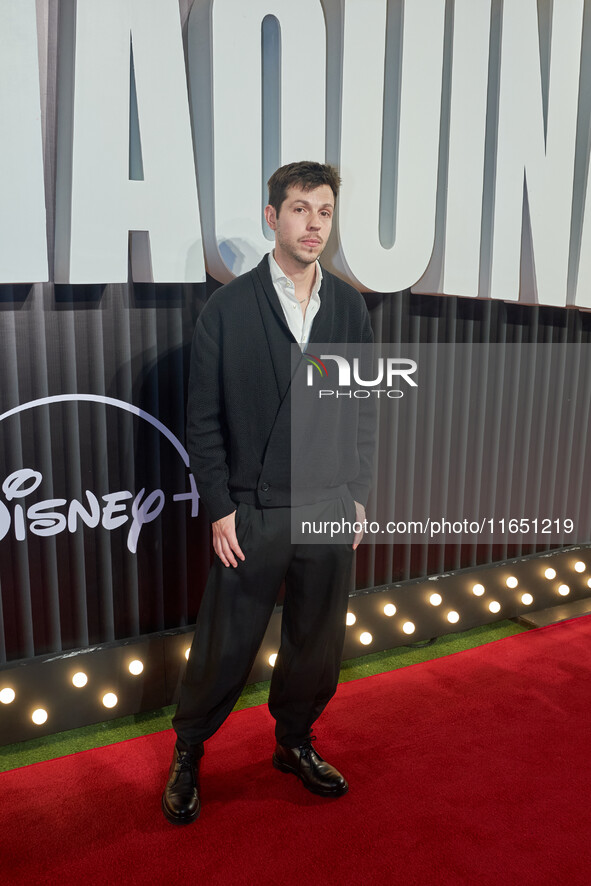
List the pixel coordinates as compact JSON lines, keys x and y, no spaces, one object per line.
{"x":471,"y":769}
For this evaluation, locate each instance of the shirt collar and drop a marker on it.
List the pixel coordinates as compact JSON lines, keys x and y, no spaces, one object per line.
{"x":278,"y":276}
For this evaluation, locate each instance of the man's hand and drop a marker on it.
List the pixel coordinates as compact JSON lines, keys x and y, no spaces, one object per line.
{"x":359,"y":518}
{"x":225,"y":543}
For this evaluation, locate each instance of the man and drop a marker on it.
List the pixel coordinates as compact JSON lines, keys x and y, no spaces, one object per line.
{"x":238,"y":437}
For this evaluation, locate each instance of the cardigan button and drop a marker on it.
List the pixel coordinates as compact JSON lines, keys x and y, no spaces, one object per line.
{"x":265,"y":487}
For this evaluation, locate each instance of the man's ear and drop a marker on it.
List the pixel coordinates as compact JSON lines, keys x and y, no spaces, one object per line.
{"x":271,"y":217}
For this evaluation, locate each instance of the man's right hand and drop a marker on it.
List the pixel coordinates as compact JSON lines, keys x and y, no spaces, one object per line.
{"x":225,"y":543}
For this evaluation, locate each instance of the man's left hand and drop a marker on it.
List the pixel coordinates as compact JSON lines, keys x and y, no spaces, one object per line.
{"x":359,"y":518}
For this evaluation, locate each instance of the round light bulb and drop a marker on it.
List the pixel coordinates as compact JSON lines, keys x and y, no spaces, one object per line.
{"x":389,"y":609}
{"x":272,"y":659}
{"x":564,"y":590}
{"x":408,"y":627}
{"x":435,"y":599}
{"x":453,"y":617}
{"x":351,"y":618}
{"x":478,"y":590}
{"x":494,"y":606}
{"x":109,"y":699}
{"x":580,"y":566}
{"x":136,"y":667}
{"x":187,"y":652}
{"x":365,"y":638}
{"x":511,"y":582}
{"x":80,"y":679}
{"x":550,"y":573}
{"x":7,"y":695}
{"x":39,"y":717}
{"x":527,"y":599}
{"x":589,"y":582}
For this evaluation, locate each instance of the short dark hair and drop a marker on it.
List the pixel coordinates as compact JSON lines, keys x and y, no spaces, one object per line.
{"x":306,"y":174}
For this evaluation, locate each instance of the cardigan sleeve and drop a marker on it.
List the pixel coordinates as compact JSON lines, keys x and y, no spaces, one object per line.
{"x":207,"y":436}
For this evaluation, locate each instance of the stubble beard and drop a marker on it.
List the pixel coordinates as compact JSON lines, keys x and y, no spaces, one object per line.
{"x":303,"y":259}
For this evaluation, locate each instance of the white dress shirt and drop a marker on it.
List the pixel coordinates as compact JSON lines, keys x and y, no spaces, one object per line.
{"x":299,"y":324}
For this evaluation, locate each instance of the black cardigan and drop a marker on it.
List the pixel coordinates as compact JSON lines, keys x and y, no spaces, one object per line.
{"x":238,"y":417}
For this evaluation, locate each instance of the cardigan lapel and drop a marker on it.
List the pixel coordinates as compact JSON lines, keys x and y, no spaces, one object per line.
{"x":322,"y":327}
{"x":278,"y":333}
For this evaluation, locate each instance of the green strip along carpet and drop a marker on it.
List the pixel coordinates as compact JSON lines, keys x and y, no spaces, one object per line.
{"x":100,"y":734}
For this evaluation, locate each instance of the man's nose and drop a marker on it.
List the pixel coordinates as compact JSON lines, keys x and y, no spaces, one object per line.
{"x":314,"y":222}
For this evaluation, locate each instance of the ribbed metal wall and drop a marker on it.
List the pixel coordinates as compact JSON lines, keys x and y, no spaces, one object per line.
{"x":131,"y":343}
{"x":77,"y":588}
{"x":407,"y":318}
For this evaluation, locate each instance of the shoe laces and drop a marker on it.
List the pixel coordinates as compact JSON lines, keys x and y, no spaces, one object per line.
{"x":306,"y":747}
{"x":185,"y":760}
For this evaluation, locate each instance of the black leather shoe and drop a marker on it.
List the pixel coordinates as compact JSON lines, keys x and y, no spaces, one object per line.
{"x":180,"y":800}
{"x":315,"y":773}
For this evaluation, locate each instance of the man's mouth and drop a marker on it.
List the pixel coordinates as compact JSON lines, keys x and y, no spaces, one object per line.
{"x":311,"y":242}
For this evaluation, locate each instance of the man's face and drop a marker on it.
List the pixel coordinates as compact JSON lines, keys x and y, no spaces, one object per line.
{"x":302,"y":225}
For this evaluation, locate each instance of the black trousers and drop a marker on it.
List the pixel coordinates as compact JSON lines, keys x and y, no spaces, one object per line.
{"x":234,"y":614}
